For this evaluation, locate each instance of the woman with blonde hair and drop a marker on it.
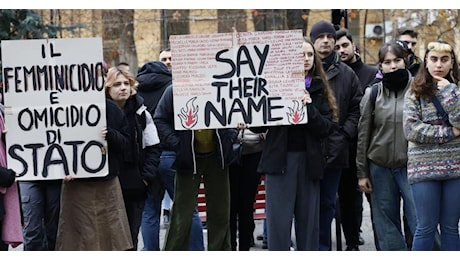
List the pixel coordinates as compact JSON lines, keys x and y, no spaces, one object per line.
{"x":141,"y":157}
{"x":93,"y":215}
{"x":431,"y":122}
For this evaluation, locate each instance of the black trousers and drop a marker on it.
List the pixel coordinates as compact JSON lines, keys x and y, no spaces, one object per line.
{"x":351,"y":201}
{"x":244,"y":180}
{"x":134,"y":206}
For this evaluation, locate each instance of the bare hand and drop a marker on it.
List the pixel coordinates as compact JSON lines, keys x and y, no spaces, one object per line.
{"x":69,"y":178}
{"x":306,"y":99}
{"x":104,"y":132}
{"x":441,"y":82}
{"x":456,"y":131}
{"x":365,"y":185}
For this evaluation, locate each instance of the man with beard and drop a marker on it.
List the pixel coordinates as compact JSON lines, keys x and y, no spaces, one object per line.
{"x":409,"y":36}
{"x":350,"y":196}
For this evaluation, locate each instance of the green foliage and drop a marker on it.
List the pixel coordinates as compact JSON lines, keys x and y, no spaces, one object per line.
{"x":22,"y":24}
{"x":16,"y":24}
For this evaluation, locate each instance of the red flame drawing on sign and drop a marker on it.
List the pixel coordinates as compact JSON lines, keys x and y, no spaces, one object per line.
{"x":188,"y":114}
{"x":296,"y":113}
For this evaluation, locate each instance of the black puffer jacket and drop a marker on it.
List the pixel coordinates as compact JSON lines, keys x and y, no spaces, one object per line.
{"x":181,"y":141}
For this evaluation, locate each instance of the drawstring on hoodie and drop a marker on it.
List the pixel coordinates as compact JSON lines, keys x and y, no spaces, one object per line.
{"x":193,"y":154}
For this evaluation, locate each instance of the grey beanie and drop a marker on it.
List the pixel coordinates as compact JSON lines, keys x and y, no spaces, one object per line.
{"x":321,"y":27}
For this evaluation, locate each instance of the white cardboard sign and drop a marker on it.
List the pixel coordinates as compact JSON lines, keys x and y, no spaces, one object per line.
{"x":220,"y":80}
{"x":54,"y":108}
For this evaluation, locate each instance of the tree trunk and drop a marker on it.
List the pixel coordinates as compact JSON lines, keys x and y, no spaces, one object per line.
{"x":119,"y":38}
{"x":297,"y":19}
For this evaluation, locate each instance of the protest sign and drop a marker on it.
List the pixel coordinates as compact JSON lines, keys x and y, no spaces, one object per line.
{"x":220,"y":80}
{"x":54,"y":108}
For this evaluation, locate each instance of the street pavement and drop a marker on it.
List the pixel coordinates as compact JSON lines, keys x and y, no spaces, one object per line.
{"x":366,"y":228}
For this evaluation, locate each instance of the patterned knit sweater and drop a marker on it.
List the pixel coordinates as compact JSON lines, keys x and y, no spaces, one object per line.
{"x":433,"y":150}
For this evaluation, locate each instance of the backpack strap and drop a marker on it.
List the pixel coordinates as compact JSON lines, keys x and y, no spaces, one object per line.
{"x":373,"y":96}
{"x":441,"y":111}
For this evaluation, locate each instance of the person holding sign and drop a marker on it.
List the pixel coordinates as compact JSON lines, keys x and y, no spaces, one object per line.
{"x":141,"y":157}
{"x":93,"y":215}
{"x":293,"y":163}
{"x":40,"y":203}
{"x":203,"y":153}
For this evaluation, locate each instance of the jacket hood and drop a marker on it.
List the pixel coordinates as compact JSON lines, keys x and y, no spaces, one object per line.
{"x":153,"y":75}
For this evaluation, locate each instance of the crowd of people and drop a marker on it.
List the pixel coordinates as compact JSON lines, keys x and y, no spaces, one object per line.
{"x":388,"y":131}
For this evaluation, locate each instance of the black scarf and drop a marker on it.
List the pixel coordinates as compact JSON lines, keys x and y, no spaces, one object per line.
{"x":328,"y":61}
{"x":396,"y":80}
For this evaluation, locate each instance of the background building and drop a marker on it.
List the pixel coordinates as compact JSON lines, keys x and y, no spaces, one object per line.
{"x":137,"y":36}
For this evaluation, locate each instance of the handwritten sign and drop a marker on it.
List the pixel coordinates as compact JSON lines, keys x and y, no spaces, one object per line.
{"x":54,"y":108}
{"x":220,"y":80}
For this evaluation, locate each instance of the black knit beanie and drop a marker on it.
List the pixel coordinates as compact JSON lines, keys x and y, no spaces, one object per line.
{"x":321,"y":27}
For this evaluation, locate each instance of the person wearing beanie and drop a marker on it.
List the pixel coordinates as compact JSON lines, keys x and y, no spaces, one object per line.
{"x":321,"y":27}
{"x":348,"y":93}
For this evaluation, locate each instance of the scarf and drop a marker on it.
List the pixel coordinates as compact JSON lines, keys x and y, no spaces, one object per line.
{"x":307,"y":81}
{"x":396,"y":80}
{"x":329,"y":61}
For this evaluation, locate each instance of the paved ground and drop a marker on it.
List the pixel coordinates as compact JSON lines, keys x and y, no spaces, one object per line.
{"x":366,"y":228}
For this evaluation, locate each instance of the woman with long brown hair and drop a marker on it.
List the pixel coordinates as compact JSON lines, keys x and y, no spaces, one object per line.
{"x":433,"y":167}
{"x":293,"y":162}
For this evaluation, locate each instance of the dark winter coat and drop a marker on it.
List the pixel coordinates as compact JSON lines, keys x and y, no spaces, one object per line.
{"x":273,"y":159}
{"x":117,"y":139}
{"x":347,"y":90}
{"x":181,"y":141}
{"x":153,"y":79}
{"x":365,"y":73}
{"x":139,"y":164}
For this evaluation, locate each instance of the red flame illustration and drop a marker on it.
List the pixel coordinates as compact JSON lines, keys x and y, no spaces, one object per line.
{"x":188,"y":115}
{"x":296,"y":113}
